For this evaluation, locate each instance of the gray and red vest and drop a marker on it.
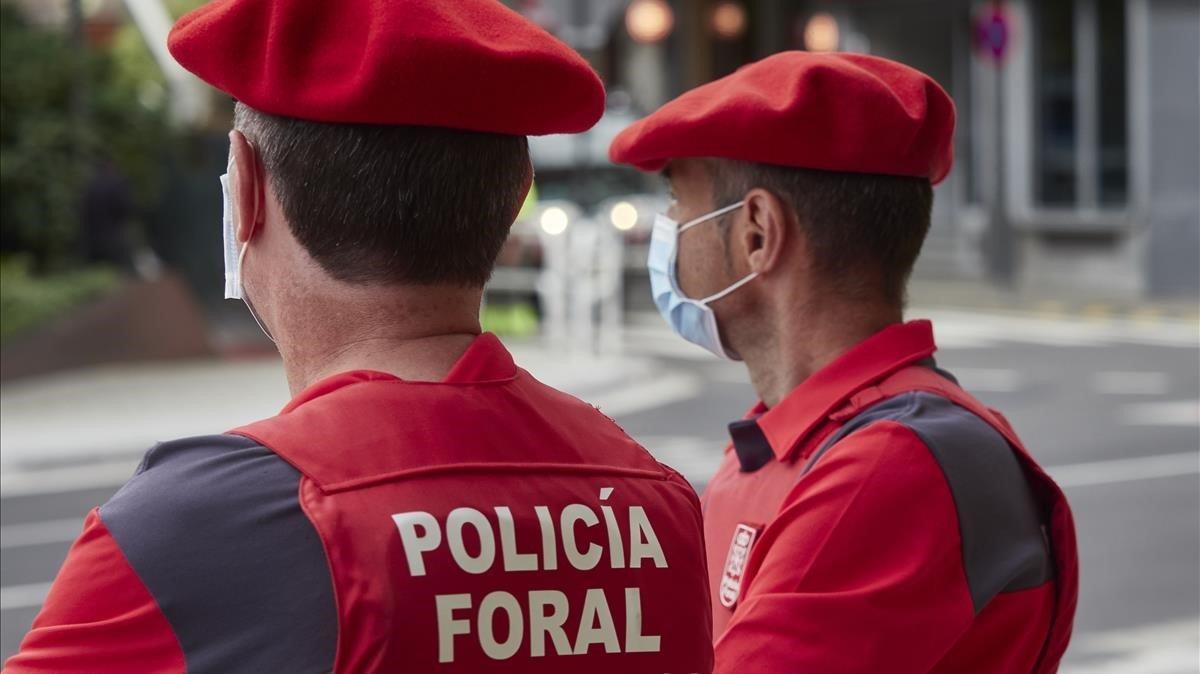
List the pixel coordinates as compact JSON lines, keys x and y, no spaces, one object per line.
{"x":880,"y":518}
{"x":483,"y":523}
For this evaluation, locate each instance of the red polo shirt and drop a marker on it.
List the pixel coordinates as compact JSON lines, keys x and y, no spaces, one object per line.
{"x":880,"y":519}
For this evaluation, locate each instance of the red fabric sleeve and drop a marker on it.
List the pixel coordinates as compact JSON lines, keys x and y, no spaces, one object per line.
{"x":98,"y":617}
{"x":860,"y":572}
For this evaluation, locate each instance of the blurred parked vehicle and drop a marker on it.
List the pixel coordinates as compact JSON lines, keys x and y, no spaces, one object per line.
{"x":575,"y":185}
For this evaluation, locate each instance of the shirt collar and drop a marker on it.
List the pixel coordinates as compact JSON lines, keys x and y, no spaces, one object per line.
{"x":781,"y":430}
{"x":485,"y":361}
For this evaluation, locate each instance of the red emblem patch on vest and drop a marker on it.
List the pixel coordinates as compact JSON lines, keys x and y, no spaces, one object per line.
{"x":735,"y":563}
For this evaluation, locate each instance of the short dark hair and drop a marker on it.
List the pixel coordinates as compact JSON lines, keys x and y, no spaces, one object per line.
{"x":393,"y":204}
{"x":864,"y":230}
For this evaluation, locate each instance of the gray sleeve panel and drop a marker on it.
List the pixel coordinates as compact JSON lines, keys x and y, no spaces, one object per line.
{"x":1004,"y":547}
{"x":213,"y":527}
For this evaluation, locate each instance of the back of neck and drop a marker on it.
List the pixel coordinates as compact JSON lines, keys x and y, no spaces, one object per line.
{"x":800,"y":343}
{"x":417,"y":336}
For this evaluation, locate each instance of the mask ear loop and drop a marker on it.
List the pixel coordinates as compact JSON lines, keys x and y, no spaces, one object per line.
{"x":716,"y":296}
{"x":715,"y":214}
{"x":242,"y":256}
{"x":705,"y":218}
{"x":246,"y":299}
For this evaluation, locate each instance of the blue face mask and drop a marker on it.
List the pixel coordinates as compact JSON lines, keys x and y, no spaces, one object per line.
{"x":691,"y":319}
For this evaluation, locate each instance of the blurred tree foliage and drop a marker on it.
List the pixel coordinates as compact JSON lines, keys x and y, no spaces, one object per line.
{"x":46,"y":159}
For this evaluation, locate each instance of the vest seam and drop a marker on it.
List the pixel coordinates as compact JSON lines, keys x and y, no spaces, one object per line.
{"x":423,"y":471}
{"x":958,"y":520}
{"x":183,"y":653}
{"x":909,"y":360}
{"x":337,"y":601}
{"x":899,"y":419}
{"x":825,"y":447}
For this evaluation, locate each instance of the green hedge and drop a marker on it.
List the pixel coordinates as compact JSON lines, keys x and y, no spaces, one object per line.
{"x":28,"y":301}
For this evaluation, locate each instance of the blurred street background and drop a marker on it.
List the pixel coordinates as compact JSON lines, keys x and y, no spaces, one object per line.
{"x":1062,"y":270}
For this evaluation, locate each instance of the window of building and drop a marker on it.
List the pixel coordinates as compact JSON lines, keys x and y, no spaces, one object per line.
{"x":1114,"y":124}
{"x":1081,"y":152}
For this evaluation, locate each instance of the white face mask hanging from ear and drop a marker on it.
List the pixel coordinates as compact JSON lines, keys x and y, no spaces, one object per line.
{"x":234,"y":290}
{"x":233,"y":258}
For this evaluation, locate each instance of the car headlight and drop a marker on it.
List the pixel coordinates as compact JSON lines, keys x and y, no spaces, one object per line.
{"x":554,"y":221}
{"x":624,"y":216}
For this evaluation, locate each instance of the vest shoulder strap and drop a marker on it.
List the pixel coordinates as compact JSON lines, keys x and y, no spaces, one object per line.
{"x":1060,"y":522}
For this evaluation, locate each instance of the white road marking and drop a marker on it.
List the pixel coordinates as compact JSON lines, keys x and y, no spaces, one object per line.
{"x":122,"y":409}
{"x":38,"y":533}
{"x":1126,"y":470}
{"x":23,"y":596}
{"x":695,"y":458}
{"x":1131,"y":383}
{"x":18,"y":482}
{"x":728,"y":373}
{"x":660,"y":341}
{"x":963,"y":329}
{"x":989,"y":380}
{"x":984,"y":331}
{"x":1165,"y":413}
{"x":1171,"y":648}
{"x":668,"y":388}
{"x":977,"y":327}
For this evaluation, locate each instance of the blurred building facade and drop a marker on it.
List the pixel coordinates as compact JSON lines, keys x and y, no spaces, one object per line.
{"x":1078,"y":145}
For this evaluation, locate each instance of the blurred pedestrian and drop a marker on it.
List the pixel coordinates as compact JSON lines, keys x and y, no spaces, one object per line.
{"x":106,"y":213}
{"x":869,"y":515}
{"x":422,"y":504}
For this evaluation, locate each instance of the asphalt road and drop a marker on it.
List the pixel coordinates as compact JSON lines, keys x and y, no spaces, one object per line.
{"x":1114,"y":418}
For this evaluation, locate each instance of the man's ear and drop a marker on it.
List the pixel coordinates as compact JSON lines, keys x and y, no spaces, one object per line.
{"x":766,"y":233}
{"x":246,"y":174}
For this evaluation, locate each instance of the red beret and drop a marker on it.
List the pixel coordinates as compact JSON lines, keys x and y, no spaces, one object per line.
{"x":834,"y":112}
{"x":462,"y":64}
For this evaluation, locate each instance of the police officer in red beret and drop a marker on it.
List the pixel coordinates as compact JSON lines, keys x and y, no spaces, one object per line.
{"x":422,"y":504}
{"x":869,"y":515}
